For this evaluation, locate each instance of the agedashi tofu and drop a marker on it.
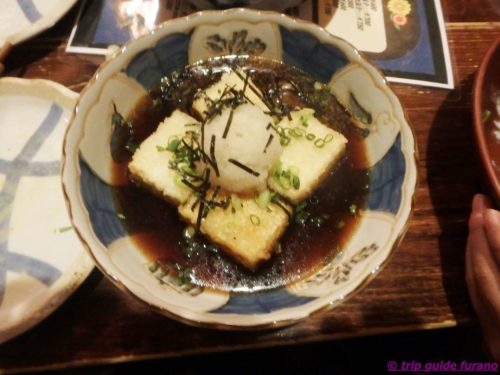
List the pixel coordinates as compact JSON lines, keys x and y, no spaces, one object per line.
{"x":244,"y":230}
{"x":150,"y":165}
{"x":230,"y":80}
{"x":309,"y":154}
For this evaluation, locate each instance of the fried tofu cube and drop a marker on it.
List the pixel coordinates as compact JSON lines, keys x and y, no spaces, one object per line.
{"x":229,"y":80}
{"x":244,"y":230}
{"x":311,"y":159}
{"x":150,"y":163}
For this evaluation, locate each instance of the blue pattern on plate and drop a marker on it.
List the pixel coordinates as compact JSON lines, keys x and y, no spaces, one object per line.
{"x":98,"y":200}
{"x":307,"y":53}
{"x":13,"y":172}
{"x":149,"y":66}
{"x":261,"y":303}
{"x":386,"y":180}
{"x":30,"y":10}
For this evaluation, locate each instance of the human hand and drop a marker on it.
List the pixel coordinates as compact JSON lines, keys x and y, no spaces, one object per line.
{"x":482,"y":269}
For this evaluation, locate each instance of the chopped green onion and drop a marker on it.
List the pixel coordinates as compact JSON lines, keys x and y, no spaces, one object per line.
{"x":263,"y":199}
{"x":276,"y":170}
{"x":121,"y":216}
{"x":65,"y":229}
{"x":297,"y":132}
{"x":285,"y":140}
{"x":301,"y":217}
{"x":236,"y":202}
{"x":173,"y":144}
{"x":328,"y":138}
{"x":301,"y":206}
{"x":485,"y":116}
{"x":293,"y":170}
{"x":285,"y":182}
{"x":184,"y":167}
{"x":178,"y":182}
{"x":310,"y":136}
{"x":352,"y":209}
{"x":318,"y":85}
{"x":286,"y":178}
{"x":153,"y":267}
{"x":306,"y":114}
{"x":274,"y":197}
{"x":319,"y":143}
{"x":255,"y":219}
{"x":340,"y":224}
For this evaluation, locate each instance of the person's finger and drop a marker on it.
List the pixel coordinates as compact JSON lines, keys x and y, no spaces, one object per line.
{"x":469,"y":275}
{"x":483,"y":282}
{"x":479,"y":204}
{"x":482,"y":275}
{"x":480,"y":263}
{"x":484,"y":270}
{"x":492,"y":227}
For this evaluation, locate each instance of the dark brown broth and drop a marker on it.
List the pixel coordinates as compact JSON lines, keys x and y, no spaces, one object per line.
{"x":157,"y":229}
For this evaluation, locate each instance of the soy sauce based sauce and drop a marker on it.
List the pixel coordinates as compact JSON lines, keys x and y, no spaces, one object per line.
{"x":310,"y":241}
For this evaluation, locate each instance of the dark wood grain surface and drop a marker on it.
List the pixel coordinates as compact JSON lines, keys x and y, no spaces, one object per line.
{"x":422,"y":287}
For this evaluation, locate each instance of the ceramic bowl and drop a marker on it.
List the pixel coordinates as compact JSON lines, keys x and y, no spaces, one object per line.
{"x":277,"y":5}
{"x":41,"y":260}
{"x":139,"y":65}
{"x":486,"y":118}
{"x":20,"y":20}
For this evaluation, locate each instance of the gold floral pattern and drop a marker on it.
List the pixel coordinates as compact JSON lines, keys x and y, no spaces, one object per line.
{"x":399,"y":10}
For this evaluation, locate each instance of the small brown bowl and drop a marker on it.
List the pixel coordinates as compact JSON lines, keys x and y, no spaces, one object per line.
{"x":486,"y":93}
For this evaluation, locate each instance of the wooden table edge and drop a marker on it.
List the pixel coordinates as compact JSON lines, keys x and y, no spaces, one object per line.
{"x":242,"y":347}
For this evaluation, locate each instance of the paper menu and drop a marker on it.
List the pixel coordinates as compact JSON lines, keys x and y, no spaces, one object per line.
{"x":360,"y":22}
{"x":405,"y":38}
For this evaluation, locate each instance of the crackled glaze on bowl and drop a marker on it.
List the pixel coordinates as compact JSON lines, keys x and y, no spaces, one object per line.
{"x":332,"y":61}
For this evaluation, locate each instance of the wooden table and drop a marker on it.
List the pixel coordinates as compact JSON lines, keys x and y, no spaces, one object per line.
{"x":422,"y":287}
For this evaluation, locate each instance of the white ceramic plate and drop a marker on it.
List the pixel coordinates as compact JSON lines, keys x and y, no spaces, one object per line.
{"x":41,"y":260}
{"x":21,"y":19}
